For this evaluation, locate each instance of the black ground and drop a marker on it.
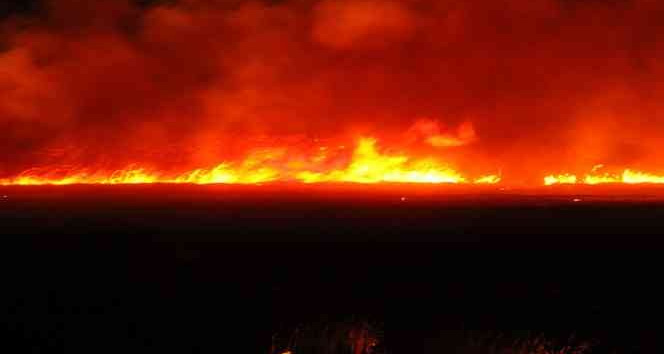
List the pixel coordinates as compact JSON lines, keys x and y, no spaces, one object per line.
{"x":188,"y":269}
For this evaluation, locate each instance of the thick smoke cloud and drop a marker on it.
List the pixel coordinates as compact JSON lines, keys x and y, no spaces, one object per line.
{"x":547,"y":84}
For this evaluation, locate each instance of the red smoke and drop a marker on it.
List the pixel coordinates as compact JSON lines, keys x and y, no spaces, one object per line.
{"x":526,"y":87}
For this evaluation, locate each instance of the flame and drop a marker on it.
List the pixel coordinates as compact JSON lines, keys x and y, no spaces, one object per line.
{"x":627,"y":176}
{"x":560,"y":179}
{"x":408,"y":72}
{"x":369,"y":166}
{"x":601,"y":179}
{"x":633,"y":177}
{"x":366,"y":165}
{"x":65,"y":176}
{"x":488,"y":179}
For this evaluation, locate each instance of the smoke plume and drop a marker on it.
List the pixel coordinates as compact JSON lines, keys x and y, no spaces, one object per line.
{"x":525,"y":86}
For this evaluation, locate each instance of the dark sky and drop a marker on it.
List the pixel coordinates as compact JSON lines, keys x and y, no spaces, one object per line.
{"x":9,"y":7}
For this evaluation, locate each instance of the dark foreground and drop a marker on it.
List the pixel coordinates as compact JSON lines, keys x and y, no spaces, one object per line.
{"x":212,"y":269}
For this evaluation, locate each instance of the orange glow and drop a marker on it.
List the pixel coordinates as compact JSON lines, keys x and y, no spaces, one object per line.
{"x":632,"y":177}
{"x":333,"y":91}
{"x":560,"y":179}
{"x":465,"y":135}
{"x":366,"y":165}
{"x":489,"y":179}
{"x":601,"y":179}
{"x":64,"y":177}
{"x":369,"y":166}
{"x":627,"y":176}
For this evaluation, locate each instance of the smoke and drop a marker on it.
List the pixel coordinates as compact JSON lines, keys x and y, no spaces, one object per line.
{"x":539,"y":84}
{"x":367,"y":24}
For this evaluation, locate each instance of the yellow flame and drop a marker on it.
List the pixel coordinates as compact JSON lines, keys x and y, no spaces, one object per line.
{"x":560,"y":179}
{"x":59,"y":177}
{"x":366,"y":165}
{"x":627,"y":176}
{"x":369,"y":166}
{"x":488,"y":179}
{"x":601,"y":179}
{"x":632,"y":177}
{"x":224,"y":173}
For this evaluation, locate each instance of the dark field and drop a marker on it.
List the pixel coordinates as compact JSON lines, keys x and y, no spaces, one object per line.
{"x":210,"y":268}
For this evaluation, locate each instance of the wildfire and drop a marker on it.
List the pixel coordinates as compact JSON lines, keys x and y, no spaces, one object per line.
{"x":366,"y":165}
{"x":560,"y":179}
{"x":203,"y":92}
{"x":369,"y":166}
{"x":627,"y":176}
{"x":489,"y":179}
{"x":72,"y":176}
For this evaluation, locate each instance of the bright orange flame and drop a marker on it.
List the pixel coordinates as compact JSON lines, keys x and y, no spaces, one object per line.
{"x":560,"y":179}
{"x":489,"y":179}
{"x":367,"y":165}
{"x":601,"y":179}
{"x":632,"y":177}
{"x":627,"y":176}
{"x":63,"y":177}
